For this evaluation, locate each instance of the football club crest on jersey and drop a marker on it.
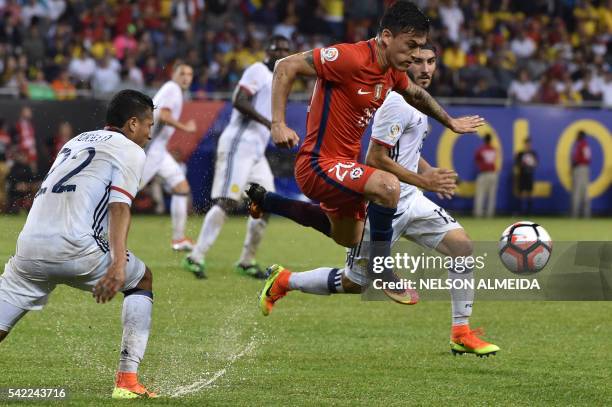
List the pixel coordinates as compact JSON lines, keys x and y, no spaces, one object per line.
{"x":394,"y":130}
{"x":329,"y":54}
{"x":356,"y":173}
{"x":378,"y":91}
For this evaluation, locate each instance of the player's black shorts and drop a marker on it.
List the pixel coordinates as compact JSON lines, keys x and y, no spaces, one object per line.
{"x":525,"y":183}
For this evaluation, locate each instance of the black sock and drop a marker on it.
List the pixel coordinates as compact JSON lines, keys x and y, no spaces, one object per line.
{"x":381,"y":233}
{"x":304,"y":213}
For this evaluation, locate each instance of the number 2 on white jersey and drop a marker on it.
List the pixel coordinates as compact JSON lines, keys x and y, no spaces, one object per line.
{"x":60,"y":186}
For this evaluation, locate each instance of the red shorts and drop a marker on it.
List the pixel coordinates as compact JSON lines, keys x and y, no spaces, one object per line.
{"x":338,"y":184}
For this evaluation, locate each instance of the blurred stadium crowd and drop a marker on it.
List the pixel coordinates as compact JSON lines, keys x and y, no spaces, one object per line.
{"x":542,"y":51}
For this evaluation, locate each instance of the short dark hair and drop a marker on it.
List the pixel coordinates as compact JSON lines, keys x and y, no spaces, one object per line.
{"x":275,"y":39}
{"x":126,"y":104}
{"x":429,"y":46}
{"x":404,"y":16}
{"x":487,"y":138}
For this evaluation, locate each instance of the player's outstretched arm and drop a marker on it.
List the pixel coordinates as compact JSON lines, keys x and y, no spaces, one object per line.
{"x":285,"y":72}
{"x":242,"y":101}
{"x":437,"y":180}
{"x":165,"y":116}
{"x":423,"y":101}
{"x":113,"y":280}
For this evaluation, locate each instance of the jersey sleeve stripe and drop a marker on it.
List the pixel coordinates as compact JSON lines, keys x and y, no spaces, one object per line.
{"x":382,"y":143}
{"x":123,"y":191}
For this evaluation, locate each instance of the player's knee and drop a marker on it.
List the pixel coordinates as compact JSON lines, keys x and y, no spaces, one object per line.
{"x":387,"y":189}
{"x":226,"y":204}
{"x":146,"y":282}
{"x":346,"y":241}
{"x":3,"y":335}
{"x":462,"y":245}
{"x":350,"y":286}
{"x":182,"y":188}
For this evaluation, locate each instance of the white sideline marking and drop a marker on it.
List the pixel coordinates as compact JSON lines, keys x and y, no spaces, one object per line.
{"x":204,"y":383}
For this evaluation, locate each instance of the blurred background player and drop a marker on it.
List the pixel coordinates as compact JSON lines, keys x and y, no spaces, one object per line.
{"x":526,"y":162}
{"x":86,"y":196}
{"x":486,"y":180}
{"x":581,"y":162}
{"x":398,"y":134}
{"x":353,"y":80}
{"x":168,"y":103}
{"x":241,"y":159}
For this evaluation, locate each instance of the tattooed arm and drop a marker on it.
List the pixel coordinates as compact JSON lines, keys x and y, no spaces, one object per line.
{"x":423,"y":101}
{"x":285,"y":72}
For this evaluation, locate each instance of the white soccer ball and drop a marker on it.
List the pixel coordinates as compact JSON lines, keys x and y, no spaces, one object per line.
{"x":525,"y":247}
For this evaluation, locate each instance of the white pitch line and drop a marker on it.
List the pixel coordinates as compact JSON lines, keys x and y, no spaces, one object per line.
{"x":202,"y":384}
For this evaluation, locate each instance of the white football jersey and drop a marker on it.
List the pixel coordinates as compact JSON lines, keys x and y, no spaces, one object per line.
{"x":69,"y":216}
{"x":169,"y":96}
{"x":257,"y":81}
{"x":403,"y":129}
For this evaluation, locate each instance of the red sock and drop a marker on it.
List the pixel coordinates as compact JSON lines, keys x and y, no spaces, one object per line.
{"x":282,"y":282}
{"x":459,"y":330}
{"x":126,"y":379}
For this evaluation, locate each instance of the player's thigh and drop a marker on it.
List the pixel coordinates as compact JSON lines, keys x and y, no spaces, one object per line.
{"x":9,"y":316}
{"x":428,"y":224}
{"x":346,"y":231}
{"x":25,"y":283}
{"x":232,"y":170}
{"x":153,"y":161}
{"x":456,"y":242}
{"x":173,"y":175}
{"x":86,"y":271}
{"x":262,"y":174}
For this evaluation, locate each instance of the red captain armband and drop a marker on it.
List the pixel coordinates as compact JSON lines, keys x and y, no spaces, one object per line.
{"x":123,"y":191}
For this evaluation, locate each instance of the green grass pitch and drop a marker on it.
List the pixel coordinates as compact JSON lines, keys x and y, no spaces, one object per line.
{"x":210,"y":343}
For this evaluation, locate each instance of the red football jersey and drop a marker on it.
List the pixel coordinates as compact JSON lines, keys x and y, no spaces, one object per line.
{"x":350,"y":87}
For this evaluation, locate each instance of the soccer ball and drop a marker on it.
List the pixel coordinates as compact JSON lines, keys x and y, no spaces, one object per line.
{"x":525,"y":247}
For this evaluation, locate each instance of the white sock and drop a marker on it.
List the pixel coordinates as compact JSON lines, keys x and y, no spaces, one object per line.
{"x":136,"y":318}
{"x":254,"y":234}
{"x":178,"y":212}
{"x":213,"y":222}
{"x":462,"y":300}
{"x":321,"y":281}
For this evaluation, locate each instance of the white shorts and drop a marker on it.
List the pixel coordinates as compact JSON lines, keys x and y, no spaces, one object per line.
{"x":163,"y":164}
{"x":423,"y":222}
{"x":237,"y":165}
{"x":27,"y":283}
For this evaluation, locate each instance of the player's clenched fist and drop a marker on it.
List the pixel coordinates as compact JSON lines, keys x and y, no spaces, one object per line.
{"x":466,"y":124}
{"x":283,"y":136}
